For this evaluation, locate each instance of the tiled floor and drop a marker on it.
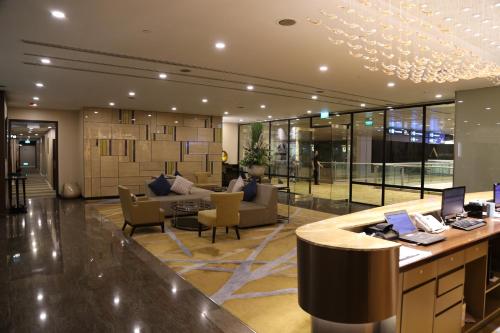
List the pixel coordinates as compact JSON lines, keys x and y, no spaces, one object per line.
{"x":68,"y":272}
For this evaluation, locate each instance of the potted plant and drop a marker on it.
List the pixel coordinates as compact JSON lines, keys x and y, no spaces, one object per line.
{"x":256,"y":156}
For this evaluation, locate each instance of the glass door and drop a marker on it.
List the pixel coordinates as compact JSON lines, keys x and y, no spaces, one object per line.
{"x":331,"y":161}
{"x":300,"y":154}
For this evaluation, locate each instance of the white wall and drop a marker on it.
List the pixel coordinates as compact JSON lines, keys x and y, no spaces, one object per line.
{"x":477,"y":139}
{"x":230,"y":141}
{"x":70,"y":140}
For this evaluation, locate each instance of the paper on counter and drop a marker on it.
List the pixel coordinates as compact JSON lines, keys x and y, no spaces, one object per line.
{"x":408,"y":255}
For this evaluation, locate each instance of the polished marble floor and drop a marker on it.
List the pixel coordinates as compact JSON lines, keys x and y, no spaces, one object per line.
{"x":68,"y":272}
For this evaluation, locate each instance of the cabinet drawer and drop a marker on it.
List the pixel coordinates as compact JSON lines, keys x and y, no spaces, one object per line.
{"x":450,"y":262}
{"x":445,"y":301}
{"x":419,"y":275}
{"x":449,"y":321}
{"x":417,"y":313}
{"x":450,"y":281}
{"x":476,"y":251}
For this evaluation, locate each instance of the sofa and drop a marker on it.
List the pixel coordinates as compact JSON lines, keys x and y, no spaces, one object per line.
{"x":262,"y":210}
{"x":167,"y":200}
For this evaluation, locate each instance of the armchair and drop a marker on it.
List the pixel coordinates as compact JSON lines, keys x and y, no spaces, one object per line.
{"x":142,"y":213}
{"x":226,"y":213}
{"x":202,"y":180}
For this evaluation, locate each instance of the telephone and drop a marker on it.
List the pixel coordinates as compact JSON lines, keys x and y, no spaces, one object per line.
{"x":429,"y":224}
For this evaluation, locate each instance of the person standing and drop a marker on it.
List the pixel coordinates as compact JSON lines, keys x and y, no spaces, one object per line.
{"x":316,"y":166}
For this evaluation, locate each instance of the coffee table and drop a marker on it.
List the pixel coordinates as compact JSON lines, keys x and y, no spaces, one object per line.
{"x":186,"y":214}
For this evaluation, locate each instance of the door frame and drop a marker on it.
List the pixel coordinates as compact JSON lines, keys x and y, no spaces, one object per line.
{"x":55,"y":153}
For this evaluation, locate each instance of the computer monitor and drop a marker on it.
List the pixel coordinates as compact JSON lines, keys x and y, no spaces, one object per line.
{"x":452,"y":202}
{"x":496,"y":194}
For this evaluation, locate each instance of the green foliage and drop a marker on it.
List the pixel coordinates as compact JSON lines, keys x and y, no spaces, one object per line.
{"x":256,"y":151}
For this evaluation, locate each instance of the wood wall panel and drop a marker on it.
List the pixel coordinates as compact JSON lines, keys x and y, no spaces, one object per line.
{"x":165,"y":151}
{"x":128,"y":147}
{"x":206,"y":134}
{"x":186,"y":134}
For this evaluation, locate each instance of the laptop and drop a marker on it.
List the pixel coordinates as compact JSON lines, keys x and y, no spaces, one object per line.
{"x":402,"y":223}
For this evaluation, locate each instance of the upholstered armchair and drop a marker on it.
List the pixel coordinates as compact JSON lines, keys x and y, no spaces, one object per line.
{"x":226,"y":213}
{"x":202,"y":180}
{"x":141,"y":213}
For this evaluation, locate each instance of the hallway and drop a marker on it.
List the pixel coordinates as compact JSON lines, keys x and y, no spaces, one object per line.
{"x":37,"y":186}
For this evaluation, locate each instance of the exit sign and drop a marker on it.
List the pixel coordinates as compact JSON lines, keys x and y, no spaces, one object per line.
{"x":325,"y":115}
{"x":368,"y":122}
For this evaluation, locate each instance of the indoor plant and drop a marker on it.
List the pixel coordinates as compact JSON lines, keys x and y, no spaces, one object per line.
{"x":256,"y":156}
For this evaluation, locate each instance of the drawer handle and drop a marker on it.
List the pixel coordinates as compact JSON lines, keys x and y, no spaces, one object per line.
{"x":451,"y":259}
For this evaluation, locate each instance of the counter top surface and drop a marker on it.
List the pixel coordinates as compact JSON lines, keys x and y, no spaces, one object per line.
{"x":337,"y":232}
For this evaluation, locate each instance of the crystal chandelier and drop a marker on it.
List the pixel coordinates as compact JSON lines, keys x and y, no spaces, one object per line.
{"x":423,"y":41}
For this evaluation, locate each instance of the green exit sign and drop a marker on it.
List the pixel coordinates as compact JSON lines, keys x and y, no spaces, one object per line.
{"x":368,"y":122}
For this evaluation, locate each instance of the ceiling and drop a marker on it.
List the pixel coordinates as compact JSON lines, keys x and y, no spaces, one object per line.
{"x":104,"y":49}
{"x":30,"y":130}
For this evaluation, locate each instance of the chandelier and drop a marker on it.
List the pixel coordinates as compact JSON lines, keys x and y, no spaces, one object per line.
{"x":423,"y":41}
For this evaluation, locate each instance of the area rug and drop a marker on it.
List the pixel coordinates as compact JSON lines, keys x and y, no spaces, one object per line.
{"x":254,"y":278}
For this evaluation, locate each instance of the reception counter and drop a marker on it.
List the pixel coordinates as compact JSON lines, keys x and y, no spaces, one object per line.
{"x":350,"y":282}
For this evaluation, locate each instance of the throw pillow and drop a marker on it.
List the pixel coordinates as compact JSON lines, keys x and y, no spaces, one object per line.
{"x":160,"y":186}
{"x":250,"y":191}
{"x":238,"y":185}
{"x":181,"y":185}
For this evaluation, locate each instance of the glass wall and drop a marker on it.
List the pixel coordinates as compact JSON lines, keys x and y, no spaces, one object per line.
{"x":439,"y":144}
{"x":374,"y":157}
{"x":367,"y":157}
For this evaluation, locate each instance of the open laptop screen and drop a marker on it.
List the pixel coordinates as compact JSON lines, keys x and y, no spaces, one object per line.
{"x":401,"y":222}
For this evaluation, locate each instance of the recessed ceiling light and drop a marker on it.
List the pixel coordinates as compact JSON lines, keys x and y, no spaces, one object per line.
{"x":309,"y":111}
{"x":391,"y":84}
{"x":466,"y":121}
{"x":35,"y":98}
{"x":49,"y":127}
{"x":250,"y":87}
{"x":476,"y":15}
{"x":45,"y":61}
{"x":262,"y":106}
{"x":39,"y":85}
{"x":36,"y":134}
{"x":389,"y":107}
{"x":449,"y":119}
{"x":176,"y":122}
{"x":439,"y":95}
{"x":226,"y":113}
{"x":240,"y":120}
{"x":111,"y":103}
{"x":362,"y":105}
{"x":96,"y":112}
{"x":323,"y":68}
{"x":162,"y":76}
{"x":487,"y":108}
{"x":287,"y":22}
{"x":204,"y":100}
{"x":58,"y":14}
{"x":314,"y":97}
{"x":460,"y":101}
{"x":269,"y":116}
{"x":174,"y":108}
{"x":466,"y":9}
{"x":150,"y":115}
{"x":131,"y":93}
{"x":220,"y":45}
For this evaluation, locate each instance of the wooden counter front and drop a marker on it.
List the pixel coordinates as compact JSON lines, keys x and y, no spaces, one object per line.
{"x":338,"y":266}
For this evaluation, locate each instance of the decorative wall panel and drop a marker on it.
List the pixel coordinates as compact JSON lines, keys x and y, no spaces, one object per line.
{"x":127,"y":147}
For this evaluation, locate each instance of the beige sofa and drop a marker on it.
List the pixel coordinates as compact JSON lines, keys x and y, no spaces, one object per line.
{"x":262,"y":210}
{"x":167,"y":200}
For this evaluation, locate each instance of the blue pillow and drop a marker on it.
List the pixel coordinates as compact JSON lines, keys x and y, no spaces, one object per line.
{"x":177,"y":173}
{"x":250,"y":191}
{"x":160,"y":186}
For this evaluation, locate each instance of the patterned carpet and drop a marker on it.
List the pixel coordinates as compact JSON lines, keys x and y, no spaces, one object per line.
{"x":254,"y":278}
